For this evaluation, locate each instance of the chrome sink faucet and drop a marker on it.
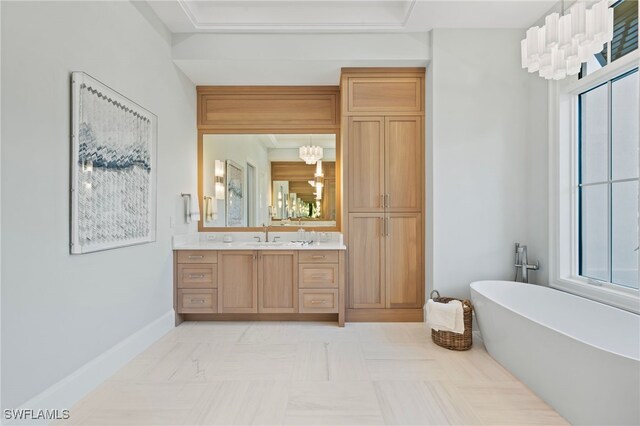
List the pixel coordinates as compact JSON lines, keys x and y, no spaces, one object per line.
{"x":522,"y":263}
{"x":265,"y":229}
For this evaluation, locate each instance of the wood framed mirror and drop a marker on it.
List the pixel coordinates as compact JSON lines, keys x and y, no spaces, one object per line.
{"x":250,"y":166}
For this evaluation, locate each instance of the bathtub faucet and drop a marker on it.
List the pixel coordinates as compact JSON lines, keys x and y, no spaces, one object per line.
{"x":522,"y":263}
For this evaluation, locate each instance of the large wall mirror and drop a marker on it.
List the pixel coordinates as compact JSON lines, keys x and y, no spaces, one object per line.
{"x":281,"y":180}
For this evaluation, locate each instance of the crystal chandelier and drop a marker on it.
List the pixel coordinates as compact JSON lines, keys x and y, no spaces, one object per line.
{"x":310,"y":153}
{"x":563,"y":43}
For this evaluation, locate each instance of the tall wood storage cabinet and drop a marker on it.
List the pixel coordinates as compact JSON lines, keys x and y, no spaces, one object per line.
{"x":383,"y":151}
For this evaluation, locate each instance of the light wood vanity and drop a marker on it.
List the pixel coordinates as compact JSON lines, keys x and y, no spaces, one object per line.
{"x":270,"y":284}
{"x":375,"y":186}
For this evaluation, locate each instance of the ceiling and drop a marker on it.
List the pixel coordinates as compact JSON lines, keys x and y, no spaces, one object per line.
{"x":288,"y":141}
{"x":280,"y":141}
{"x":308,"y":42}
{"x":189,"y":16}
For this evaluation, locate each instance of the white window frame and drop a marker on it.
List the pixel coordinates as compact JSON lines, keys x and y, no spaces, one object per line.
{"x":563,"y":181}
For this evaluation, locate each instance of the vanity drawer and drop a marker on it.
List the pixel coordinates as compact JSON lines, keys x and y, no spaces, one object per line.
{"x":312,"y":275}
{"x":318,"y":256}
{"x":197,"y":256}
{"x":318,"y":301}
{"x":197,"y":276}
{"x":197,"y":301}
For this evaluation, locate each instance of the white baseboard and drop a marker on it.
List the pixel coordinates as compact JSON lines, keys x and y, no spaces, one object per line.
{"x":65,"y":393}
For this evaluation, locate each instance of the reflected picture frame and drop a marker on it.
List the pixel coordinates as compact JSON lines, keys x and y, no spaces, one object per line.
{"x":235,"y":203}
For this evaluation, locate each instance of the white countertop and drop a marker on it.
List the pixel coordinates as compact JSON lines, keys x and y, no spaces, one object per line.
{"x":246,"y":241}
{"x":205,"y":245}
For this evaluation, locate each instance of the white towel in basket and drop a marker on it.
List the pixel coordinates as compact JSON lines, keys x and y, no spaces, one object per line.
{"x":445,"y":316}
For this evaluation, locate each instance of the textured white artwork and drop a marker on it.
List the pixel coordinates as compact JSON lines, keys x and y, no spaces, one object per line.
{"x":235,"y":195}
{"x":113,"y":193}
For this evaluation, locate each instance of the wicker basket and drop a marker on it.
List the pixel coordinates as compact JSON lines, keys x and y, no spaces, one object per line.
{"x":449,"y":340}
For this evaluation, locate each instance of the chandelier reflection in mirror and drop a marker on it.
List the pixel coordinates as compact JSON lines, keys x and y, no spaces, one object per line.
{"x":563,"y":43}
{"x":310,"y":153}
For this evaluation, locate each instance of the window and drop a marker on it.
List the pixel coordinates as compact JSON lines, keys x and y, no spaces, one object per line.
{"x":625,"y":37}
{"x":594,"y":159}
{"x":608,"y":169}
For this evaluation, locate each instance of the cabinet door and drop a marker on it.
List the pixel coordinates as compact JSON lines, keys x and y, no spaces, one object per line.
{"x":385,"y":94}
{"x":404,"y":155}
{"x":278,"y":282}
{"x":404,"y":277}
{"x":366,"y":260}
{"x":366,"y":164}
{"x":237,"y":281}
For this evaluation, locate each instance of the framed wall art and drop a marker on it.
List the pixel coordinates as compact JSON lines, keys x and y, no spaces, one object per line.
{"x":113,"y":168}
{"x":235,"y":202}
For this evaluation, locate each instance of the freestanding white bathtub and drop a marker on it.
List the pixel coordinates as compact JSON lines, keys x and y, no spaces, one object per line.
{"x":580,"y":356}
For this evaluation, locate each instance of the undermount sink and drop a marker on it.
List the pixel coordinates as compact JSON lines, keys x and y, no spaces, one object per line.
{"x":263,"y":244}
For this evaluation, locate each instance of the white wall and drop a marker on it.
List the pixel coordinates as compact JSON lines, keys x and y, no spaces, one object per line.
{"x":537,"y":167}
{"x":61,"y":311}
{"x":292,"y":59}
{"x":486,"y":157}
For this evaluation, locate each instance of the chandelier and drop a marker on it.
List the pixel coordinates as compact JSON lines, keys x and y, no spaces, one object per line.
{"x":310,"y":153}
{"x":563,"y":43}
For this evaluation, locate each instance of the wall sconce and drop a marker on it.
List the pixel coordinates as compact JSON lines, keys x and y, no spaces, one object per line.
{"x":219,"y":179}
{"x":210,"y":208}
{"x":319,"y":180}
{"x":319,"y":171}
{"x":191,"y":208}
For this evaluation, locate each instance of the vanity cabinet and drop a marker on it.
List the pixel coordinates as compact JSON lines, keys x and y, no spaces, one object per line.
{"x":366,"y":261}
{"x":319,"y":281}
{"x":260,"y":284}
{"x":278,"y":281}
{"x":196,"y":282}
{"x":385,"y":261}
{"x":403,"y":169}
{"x":238,"y":281}
{"x":404,"y":259}
{"x":318,"y":276}
{"x":197,"y":301}
{"x":385,"y":164}
{"x":365,"y":174}
{"x":383,"y":109}
{"x":376,"y":90}
{"x":318,"y":301}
